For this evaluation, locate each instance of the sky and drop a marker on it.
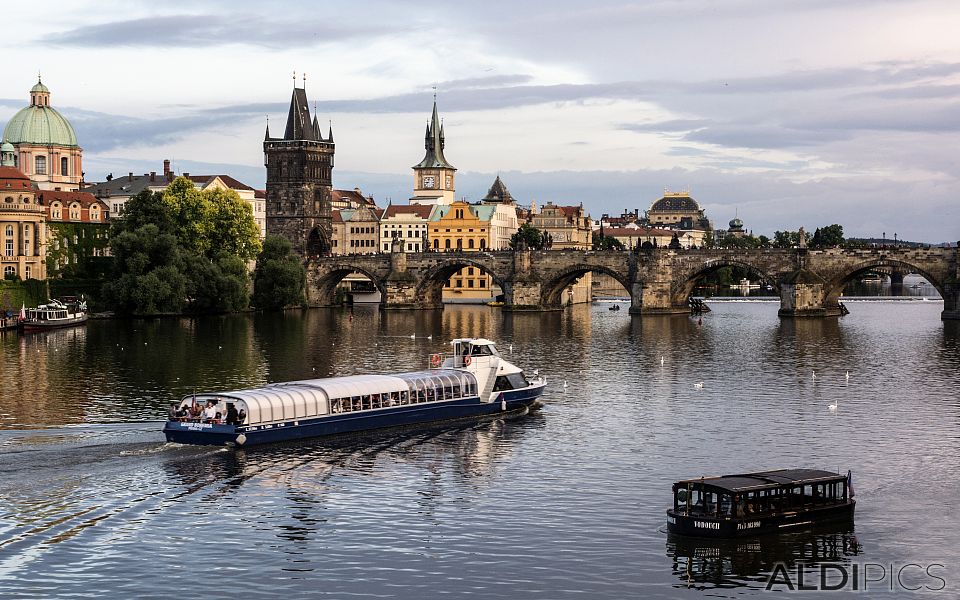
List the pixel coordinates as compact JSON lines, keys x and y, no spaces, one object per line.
{"x":789,"y":113}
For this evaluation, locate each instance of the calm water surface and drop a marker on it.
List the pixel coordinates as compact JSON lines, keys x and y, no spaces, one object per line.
{"x":564,"y":503}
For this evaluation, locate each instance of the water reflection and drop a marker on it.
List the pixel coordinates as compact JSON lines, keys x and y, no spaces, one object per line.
{"x":704,"y":563}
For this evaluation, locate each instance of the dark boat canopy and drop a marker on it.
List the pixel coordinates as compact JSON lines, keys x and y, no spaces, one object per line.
{"x":766,"y":479}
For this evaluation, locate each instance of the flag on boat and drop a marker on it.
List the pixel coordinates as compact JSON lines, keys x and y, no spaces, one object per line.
{"x":850,"y":483}
{"x":23,"y":312}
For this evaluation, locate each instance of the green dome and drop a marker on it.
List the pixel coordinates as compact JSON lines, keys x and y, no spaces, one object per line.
{"x":40,"y":125}
{"x":736,"y":223}
{"x":39,"y":88}
{"x":7,"y":147}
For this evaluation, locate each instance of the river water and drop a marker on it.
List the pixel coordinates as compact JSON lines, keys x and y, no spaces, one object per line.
{"x":567,"y":502}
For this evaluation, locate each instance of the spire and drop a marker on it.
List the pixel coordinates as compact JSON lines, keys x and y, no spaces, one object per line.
{"x":499,"y":193}
{"x":330,"y":133}
{"x":433,"y":143}
{"x":266,"y":135}
{"x":299,"y":126}
{"x":316,"y":124}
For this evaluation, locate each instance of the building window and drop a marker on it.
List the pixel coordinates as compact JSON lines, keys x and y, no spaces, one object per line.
{"x":469,"y":270}
{"x":436,"y":244}
{"x":74,"y":212}
{"x":470,"y":243}
{"x":26,"y":272}
{"x":55,"y":211}
{"x":470,"y":283}
{"x":63,"y":166}
{"x":483,"y":283}
{"x":483,"y":244}
{"x":459,"y":283}
{"x":9,"y":271}
{"x":446,"y":243}
{"x":41,"y":165}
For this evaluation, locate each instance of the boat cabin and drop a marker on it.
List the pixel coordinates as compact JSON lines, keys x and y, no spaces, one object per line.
{"x":759,"y":493}
{"x":764,"y":500}
{"x":295,"y":400}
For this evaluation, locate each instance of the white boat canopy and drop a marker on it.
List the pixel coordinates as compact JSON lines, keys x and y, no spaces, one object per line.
{"x":312,"y":398}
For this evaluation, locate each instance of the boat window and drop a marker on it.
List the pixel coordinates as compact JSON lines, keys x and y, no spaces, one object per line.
{"x":502,"y":384}
{"x":483,"y":350}
{"x":517,"y":381}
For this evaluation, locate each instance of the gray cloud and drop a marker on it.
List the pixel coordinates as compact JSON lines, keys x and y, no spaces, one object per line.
{"x":198,"y":31}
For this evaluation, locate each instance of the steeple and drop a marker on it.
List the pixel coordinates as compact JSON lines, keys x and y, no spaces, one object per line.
{"x":299,"y":126}
{"x":330,"y":133}
{"x":434,"y":143}
{"x":266,"y":136}
{"x":498,"y":193}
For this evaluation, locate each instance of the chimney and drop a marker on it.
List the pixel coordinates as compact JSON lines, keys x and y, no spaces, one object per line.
{"x":166,"y":168}
{"x":153,"y":176}
{"x":130,"y":176}
{"x":187,"y":175}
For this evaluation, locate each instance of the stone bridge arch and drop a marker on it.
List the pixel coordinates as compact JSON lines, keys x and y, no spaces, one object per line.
{"x":323,"y":279}
{"x":685,"y":281}
{"x":554,"y":284}
{"x":431,"y":280}
{"x":835,"y":284}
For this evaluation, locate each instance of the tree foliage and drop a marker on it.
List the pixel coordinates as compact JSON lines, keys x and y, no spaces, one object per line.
{"x":606,"y":242}
{"x":531,"y":238}
{"x":278,"y":280}
{"x":182,"y":249}
{"x":830,"y":236}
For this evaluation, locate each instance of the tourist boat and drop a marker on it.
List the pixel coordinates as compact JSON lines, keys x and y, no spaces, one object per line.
{"x":754,"y":503}
{"x":474,"y":381}
{"x":67,"y":312}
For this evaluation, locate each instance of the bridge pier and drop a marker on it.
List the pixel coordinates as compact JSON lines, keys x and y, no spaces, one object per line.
{"x":654,"y":298}
{"x":951,"y":302}
{"x":803,"y":294}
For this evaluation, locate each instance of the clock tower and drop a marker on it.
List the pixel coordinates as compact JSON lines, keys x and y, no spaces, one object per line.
{"x":434,"y":178}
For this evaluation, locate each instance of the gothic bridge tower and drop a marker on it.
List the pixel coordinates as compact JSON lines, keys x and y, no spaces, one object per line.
{"x":299,"y":180}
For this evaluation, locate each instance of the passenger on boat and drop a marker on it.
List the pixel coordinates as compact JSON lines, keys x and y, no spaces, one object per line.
{"x":210,"y":412}
{"x":231,"y":414}
{"x":241,"y":416}
{"x":172,"y":413}
{"x":196,"y":412}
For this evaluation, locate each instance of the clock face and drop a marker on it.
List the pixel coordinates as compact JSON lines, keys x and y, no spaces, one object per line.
{"x":429,"y":182}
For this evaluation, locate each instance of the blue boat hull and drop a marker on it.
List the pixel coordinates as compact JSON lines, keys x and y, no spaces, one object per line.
{"x":413,"y":414}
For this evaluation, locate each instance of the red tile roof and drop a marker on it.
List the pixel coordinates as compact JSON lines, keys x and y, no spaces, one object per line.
{"x":12,"y":178}
{"x":421,"y":210}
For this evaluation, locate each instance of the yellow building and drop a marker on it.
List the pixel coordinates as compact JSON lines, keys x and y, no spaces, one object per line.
{"x":463,"y":227}
{"x":22,"y":224}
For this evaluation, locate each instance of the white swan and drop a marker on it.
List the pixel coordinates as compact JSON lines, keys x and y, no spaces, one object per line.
{"x":833,"y":407}
{"x":661,"y":361}
{"x":698,"y":385}
{"x":847,"y":376}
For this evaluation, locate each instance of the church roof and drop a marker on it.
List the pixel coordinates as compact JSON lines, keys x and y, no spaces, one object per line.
{"x":12,"y":178}
{"x":675,"y":202}
{"x":40,"y":125}
{"x":498,"y":193}
{"x":434,"y":143}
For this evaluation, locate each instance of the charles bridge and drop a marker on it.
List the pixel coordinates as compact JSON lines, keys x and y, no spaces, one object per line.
{"x":659,"y":281}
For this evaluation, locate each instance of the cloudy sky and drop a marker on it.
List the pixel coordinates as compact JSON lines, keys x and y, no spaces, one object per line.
{"x":788,"y":112}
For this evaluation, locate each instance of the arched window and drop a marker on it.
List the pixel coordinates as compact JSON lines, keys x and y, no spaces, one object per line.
{"x":55,"y":212}
{"x":446,"y":243}
{"x":75,"y":211}
{"x":470,"y":243}
{"x":64,"y":163}
{"x":483,"y":244}
{"x":459,"y":243}
{"x":9,"y":271}
{"x":40,"y":163}
{"x":436,"y":244}
{"x":94,"y":212}
{"x":26,"y":272}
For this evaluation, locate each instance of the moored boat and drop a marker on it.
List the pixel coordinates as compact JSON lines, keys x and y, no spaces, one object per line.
{"x":754,"y":503}
{"x":473,"y":381}
{"x":67,"y":312}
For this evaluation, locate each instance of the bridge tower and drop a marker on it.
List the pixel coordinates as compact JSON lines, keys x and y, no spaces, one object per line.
{"x":299,"y":180}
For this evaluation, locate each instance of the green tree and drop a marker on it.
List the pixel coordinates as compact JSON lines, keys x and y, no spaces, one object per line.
{"x":830,"y":236}
{"x":182,"y":250}
{"x":606,"y":242}
{"x":279,"y":277}
{"x":232,"y":227}
{"x":788,"y":239}
{"x":531,"y":237}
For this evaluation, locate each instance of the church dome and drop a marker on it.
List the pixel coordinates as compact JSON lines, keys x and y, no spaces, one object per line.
{"x":40,"y":124}
{"x":675,"y":203}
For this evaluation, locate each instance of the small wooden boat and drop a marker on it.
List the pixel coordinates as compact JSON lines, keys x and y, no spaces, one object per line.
{"x":614,"y":307}
{"x":472,"y":382}
{"x":67,"y":312}
{"x":754,"y":503}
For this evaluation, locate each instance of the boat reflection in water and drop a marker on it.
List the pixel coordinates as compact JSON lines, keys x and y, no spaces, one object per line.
{"x":704,"y":563}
